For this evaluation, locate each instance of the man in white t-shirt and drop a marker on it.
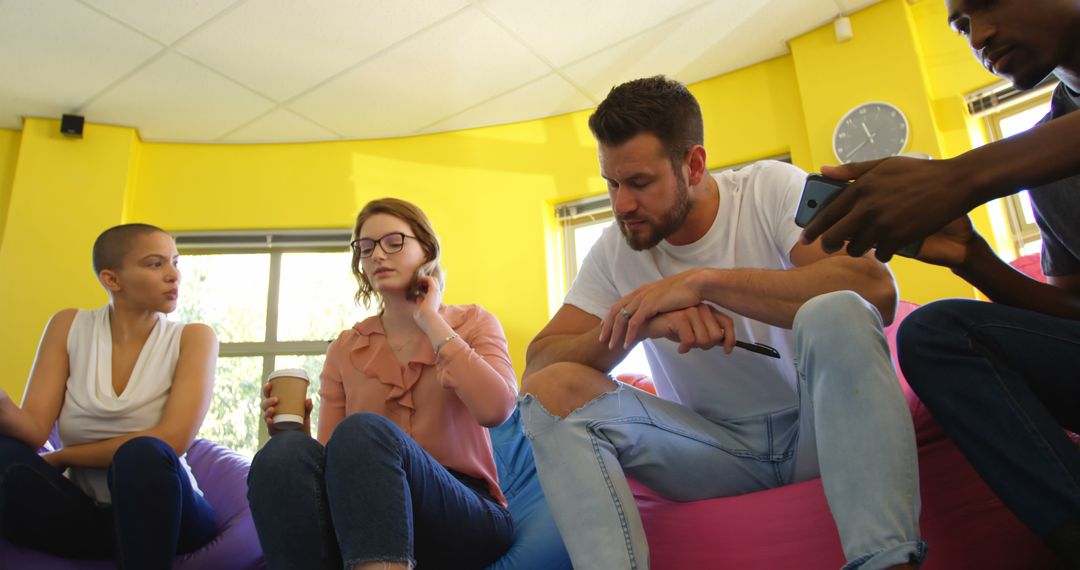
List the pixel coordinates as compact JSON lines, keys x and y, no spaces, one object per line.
{"x":694,"y":263}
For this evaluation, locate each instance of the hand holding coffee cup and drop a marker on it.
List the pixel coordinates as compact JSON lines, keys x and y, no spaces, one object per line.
{"x":285,"y":403}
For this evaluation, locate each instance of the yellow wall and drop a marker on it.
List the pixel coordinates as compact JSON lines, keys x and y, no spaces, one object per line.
{"x":753,"y":113}
{"x":9,"y":157}
{"x":64,"y":193}
{"x":490,"y":192}
{"x":881,"y":63}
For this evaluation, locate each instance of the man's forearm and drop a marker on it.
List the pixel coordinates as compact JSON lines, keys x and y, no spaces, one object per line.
{"x":1003,"y":284}
{"x":774,"y":296}
{"x":584,"y":348}
{"x":1041,"y":155}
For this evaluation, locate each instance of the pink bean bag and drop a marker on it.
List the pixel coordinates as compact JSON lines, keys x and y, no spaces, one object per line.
{"x":791,"y":527}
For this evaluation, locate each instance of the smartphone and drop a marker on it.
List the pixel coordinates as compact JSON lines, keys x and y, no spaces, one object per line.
{"x":820,"y":190}
{"x":817,"y":191}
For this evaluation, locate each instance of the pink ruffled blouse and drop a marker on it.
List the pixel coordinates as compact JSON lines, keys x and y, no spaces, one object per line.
{"x":362,"y":374}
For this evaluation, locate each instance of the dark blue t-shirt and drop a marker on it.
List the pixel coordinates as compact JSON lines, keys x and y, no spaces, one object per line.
{"x":1057,"y":205}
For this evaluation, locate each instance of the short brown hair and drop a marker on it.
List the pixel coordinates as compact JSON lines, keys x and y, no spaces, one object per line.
{"x":114,"y":243}
{"x":656,"y":105}
{"x":421,"y":230}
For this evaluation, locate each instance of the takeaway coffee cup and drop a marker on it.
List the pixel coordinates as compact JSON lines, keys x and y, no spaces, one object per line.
{"x":289,"y":386}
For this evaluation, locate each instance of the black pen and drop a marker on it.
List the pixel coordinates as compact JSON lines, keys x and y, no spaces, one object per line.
{"x":758,"y":348}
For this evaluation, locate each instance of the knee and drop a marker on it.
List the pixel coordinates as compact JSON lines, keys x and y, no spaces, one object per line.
{"x":565,"y":386}
{"x":940,"y":320}
{"x":15,"y":460}
{"x":14,"y":450}
{"x":930,"y":332}
{"x":361,"y":432}
{"x":836,"y":323}
{"x":145,"y":452}
{"x":835,"y":311}
{"x":284,"y":450}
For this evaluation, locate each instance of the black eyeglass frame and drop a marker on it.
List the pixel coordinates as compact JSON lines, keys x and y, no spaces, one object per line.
{"x":355,"y":244}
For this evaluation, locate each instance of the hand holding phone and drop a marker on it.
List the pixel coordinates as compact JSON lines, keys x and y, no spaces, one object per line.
{"x":418,"y":286}
{"x":817,"y":192}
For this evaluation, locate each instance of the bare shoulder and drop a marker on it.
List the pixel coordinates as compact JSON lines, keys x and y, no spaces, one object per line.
{"x":197,"y":334}
{"x":59,"y":326}
{"x":63,"y":318}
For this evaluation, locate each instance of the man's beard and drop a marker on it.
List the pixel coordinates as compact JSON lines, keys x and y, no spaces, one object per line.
{"x":671,"y":221}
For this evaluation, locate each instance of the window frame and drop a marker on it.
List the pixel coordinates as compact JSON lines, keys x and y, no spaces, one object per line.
{"x":992,"y":106}
{"x":276,"y":244}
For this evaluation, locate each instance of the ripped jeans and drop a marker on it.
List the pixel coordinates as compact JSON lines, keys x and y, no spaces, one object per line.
{"x":865,"y":449}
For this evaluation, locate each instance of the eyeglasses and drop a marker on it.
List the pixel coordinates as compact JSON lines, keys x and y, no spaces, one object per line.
{"x":390,"y":243}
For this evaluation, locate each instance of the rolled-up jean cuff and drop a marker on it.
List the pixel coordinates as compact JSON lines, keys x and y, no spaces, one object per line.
{"x":903,"y":553}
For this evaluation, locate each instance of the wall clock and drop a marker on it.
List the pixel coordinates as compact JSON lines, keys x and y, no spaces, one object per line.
{"x":870,"y":131}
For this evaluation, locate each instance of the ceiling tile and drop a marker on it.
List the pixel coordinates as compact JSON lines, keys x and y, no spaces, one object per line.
{"x":164,"y":21}
{"x":711,"y":40}
{"x":280,"y":125}
{"x":759,"y":36}
{"x":453,"y":66}
{"x":175,"y":98}
{"x":566,"y":30}
{"x":57,"y":54}
{"x":283,"y":47}
{"x":545,"y":97}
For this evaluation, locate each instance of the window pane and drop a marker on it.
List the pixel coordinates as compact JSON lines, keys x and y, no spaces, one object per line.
{"x":1023,"y":120}
{"x":227,"y":292}
{"x":1025,"y":207}
{"x":312,"y":364}
{"x":585,"y":237}
{"x":233,"y":418}
{"x":316,"y":299}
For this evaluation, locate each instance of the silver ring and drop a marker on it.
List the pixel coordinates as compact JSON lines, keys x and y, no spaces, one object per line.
{"x":626,"y":314}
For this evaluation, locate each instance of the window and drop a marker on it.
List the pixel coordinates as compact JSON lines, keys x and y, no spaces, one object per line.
{"x":276,"y":300}
{"x":1007,"y":112}
{"x":582,"y":223}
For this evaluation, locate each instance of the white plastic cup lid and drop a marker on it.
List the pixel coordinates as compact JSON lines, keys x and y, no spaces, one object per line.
{"x":295,"y":372}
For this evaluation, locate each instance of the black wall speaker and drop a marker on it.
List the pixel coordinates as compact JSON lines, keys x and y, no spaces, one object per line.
{"x":72,"y":125}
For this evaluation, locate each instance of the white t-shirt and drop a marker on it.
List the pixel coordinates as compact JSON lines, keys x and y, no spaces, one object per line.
{"x":93,"y":412}
{"x":754,"y":228}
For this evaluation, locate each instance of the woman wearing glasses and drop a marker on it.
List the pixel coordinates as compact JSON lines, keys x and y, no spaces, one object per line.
{"x":402,"y":471}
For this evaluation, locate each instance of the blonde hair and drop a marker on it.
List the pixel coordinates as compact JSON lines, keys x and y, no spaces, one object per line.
{"x":421,"y":230}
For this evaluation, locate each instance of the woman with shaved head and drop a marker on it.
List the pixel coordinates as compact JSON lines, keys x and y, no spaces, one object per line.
{"x":127,"y":391}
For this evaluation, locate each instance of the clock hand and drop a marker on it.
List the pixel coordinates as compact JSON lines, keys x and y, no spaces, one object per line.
{"x":856,"y":149}
{"x":867,"y":131}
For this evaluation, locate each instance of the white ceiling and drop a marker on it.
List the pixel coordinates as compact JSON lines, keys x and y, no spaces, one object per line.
{"x":306,"y":70}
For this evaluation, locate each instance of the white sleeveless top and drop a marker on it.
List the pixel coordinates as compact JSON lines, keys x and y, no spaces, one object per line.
{"x":92,"y":411}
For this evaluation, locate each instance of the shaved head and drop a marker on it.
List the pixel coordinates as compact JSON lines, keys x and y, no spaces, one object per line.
{"x":114,"y":243}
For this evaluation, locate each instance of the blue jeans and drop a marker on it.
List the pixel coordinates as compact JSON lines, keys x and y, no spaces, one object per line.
{"x":1003,"y":382}
{"x":865,"y":449}
{"x":155,"y":513}
{"x":371,"y":495}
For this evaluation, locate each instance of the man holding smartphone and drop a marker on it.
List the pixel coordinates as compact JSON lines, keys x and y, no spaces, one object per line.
{"x":693,"y":263}
{"x":1000,"y":377}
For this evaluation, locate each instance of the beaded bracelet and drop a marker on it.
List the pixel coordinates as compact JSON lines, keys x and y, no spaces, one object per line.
{"x":443,"y":342}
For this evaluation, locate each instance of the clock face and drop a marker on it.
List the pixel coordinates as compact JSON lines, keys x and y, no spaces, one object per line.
{"x":870,"y":131}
